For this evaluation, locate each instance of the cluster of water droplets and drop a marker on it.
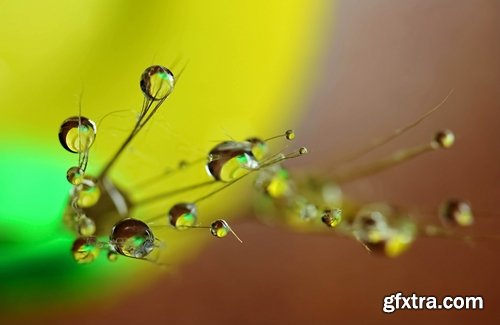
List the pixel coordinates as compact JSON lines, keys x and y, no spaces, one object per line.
{"x":93,"y":198}
{"x":308,"y":203}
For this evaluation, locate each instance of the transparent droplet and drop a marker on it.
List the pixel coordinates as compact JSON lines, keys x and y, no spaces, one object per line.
{"x":303,"y":151}
{"x":182,"y":215}
{"x":259,"y":148}
{"x":77,"y":134}
{"x":88,"y":192}
{"x":382,"y":231}
{"x":85,"y":250}
{"x":444,"y":139}
{"x":112,"y":256}
{"x":290,"y":134}
{"x":157,"y":82}
{"x":331,"y":218}
{"x":457,"y":212}
{"x":274,"y":181}
{"x":219,"y":228}
{"x":86,"y":226}
{"x":230,"y":160}
{"x":74,"y":175}
{"x":371,"y":227}
{"x":132,"y":238}
{"x":304,"y":209}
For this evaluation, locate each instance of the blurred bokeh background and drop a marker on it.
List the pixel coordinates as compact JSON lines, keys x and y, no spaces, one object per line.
{"x":369,"y":67}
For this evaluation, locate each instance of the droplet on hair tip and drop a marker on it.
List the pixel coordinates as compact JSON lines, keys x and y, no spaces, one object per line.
{"x":290,"y":134}
{"x":77,"y":134}
{"x":444,"y":139}
{"x":219,"y":228}
{"x":457,"y":212}
{"x":157,"y":82}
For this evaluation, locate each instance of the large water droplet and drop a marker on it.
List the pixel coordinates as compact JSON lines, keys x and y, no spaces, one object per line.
{"x":157,"y":82}
{"x":230,"y":160}
{"x":132,"y":238}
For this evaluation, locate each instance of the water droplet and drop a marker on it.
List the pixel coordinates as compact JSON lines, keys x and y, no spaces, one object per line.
{"x":85,"y":250}
{"x":182,"y":215}
{"x":370,"y":228}
{"x":77,"y":134}
{"x":457,"y":212}
{"x":157,"y":82}
{"x":303,"y":151}
{"x":304,"y":209}
{"x":219,"y":228}
{"x":290,"y":134}
{"x":230,"y":160}
{"x":132,"y":238}
{"x":88,"y":192}
{"x":259,"y":148}
{"x":444,"y":139}
{"x":274,"y":181}
{"x":86,"y":226}
{"x":331,"y":218}
{"x":112,"y":256}
{"x":74,"y":175}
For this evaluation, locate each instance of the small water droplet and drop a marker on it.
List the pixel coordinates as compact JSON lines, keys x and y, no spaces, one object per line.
{"x":304,"y":209}
{"x":88,"y":192}
{"x":275,"y":182}
{"x":85,"y":250}
{"x":290,"y":134}
{"x":157,"y":82}
{"x":219,"y":228}
{"x":74,"y":175}
{"x":132,"y":238}
{"x":77,"y":134}
{"x":182,"y":216}
{"x":457,"y":212}
{"x":86,"y":226}
{"x":112,"y":256}
{"x":331,"y":218}
{"x":444,"y":139}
